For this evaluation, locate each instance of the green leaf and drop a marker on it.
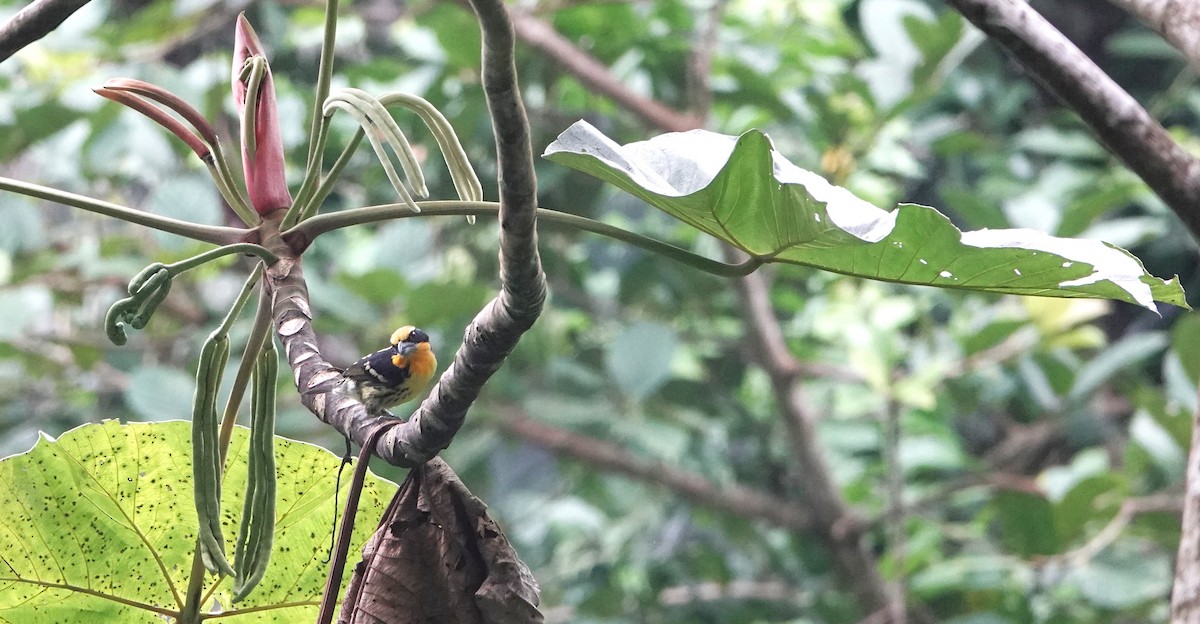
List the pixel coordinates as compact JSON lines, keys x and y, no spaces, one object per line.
{"x":964,"y":573}
{"x":935,"y":39}
{"x":741,"y":191}
{"x":639,"y":358}
{"x":920,"y":453}
{"x":1179,"y":387}
{"x":1027,"y":522}
{"x":1162,"y":449}
{"x":102,"y":522}
{"x":1172,"y":416}
{"x":1124,"y":575}
{"x":990,"y":335}
{"x":1088,"y":500}
{"x":1185,"y":340}
{"x":1129,"y":352}
{"x":432,"y":303}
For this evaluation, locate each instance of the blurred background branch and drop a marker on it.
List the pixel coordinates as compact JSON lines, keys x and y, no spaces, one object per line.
{"x":33,"y":22}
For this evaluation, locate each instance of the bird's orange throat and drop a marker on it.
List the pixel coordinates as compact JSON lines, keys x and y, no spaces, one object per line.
{"x":422,"y":363}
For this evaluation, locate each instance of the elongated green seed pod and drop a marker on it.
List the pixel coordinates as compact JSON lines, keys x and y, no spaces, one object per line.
{"x":206,"y":456}
{"x":257,"y":531}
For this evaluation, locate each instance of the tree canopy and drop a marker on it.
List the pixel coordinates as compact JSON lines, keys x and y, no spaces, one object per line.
{"x":666,"y":444}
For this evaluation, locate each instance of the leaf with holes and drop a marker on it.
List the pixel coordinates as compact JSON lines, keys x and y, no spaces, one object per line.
{"x":101,"y":521}
{"x":740,"y":190}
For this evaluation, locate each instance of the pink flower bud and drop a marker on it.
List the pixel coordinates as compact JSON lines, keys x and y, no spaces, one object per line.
{"x":262,"y":161}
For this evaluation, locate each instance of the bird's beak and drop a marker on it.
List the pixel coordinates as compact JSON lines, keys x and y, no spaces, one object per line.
{"x":405,"y":348}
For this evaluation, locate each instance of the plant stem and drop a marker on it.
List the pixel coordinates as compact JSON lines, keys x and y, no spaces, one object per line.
{"x":213,"y":254}
{"x":253,"y":75}
{"x":258,"y":335}
{"x":308,"y":230}
{"x":190,"y":614}
{"x":230,"y":194}
{"x":225,"y":180}
{"x":311,"y":176}
{"x":318,"y":196}
{"x":319,"y":131}
{"x":215,"y":234}
{"x":240,"y":302}
{"x":324,"y":77}
{"x":896,"y":535}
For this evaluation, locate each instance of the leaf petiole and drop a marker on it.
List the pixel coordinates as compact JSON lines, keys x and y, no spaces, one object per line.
{"x":304,"y":233}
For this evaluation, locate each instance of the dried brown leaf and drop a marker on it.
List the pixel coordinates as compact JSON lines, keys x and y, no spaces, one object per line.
{"x":438,"y":558}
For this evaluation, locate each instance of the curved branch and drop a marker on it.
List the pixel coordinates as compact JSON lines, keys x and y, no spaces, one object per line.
{"x":316,"y":379}
{"x":1115,"y":117}
{"x":494,"y":332}
{"x":33,"y":22}
{"x":497,"y":328}
{"x":215,"y":234}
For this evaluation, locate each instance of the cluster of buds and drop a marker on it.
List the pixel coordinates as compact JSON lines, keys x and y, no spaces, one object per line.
{"x":261,"y":143}
{"x":266,"y":188}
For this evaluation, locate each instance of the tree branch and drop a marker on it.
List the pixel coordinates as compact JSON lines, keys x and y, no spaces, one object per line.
{"x":33,"y":22}
{"x":493,"y":333}
{"x":595,"y":75}
{"x":839,"y":528}
{"x":1185,"y":593}
{"x":704,"y":44}
{"x":735,"y":590}
{"x":1178,"y":21}
{"x":736,"y":500}
{"x":1130,"y":509}
{"x":1125,"y":128}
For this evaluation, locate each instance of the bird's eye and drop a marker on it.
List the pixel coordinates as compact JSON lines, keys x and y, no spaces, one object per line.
{"x":402,"y":334}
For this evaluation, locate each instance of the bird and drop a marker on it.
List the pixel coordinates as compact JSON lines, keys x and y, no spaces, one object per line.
{"x":393,"y":375}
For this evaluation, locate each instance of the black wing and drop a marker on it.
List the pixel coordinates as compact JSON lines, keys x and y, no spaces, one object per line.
{"x":377,"y":368}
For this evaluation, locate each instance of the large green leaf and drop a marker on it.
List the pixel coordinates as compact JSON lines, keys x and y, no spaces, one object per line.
{"x":101,"y":522}
{"x":740,"y":190}
{"x":1123,"y":575}
{"x":1027,"y":522}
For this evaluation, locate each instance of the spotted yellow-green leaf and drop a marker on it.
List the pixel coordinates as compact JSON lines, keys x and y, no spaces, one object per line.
{"x":100,"y":524}
{"x":740,"y":190}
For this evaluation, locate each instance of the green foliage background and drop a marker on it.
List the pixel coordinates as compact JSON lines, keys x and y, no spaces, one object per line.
{"x":1025,"y":423}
